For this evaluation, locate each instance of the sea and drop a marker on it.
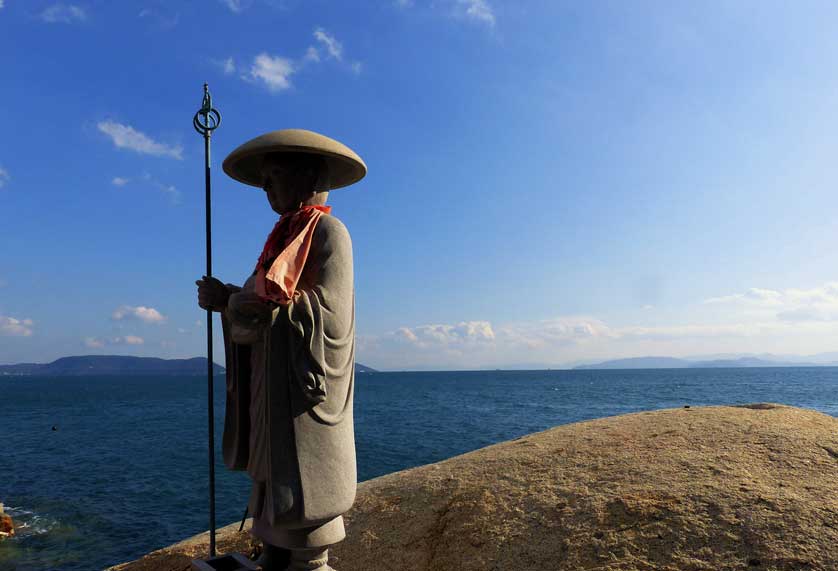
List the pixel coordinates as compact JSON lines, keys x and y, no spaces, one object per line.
{"x":101,"y":470}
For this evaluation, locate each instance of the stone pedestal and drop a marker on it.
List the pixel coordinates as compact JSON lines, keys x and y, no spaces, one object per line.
{"x":316,"y":559}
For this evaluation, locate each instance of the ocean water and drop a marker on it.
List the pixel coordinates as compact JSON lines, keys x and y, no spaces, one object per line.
{"x":125,"y":470}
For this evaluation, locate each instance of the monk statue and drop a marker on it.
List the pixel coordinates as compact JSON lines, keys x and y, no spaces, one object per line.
{"x":289,"y":337}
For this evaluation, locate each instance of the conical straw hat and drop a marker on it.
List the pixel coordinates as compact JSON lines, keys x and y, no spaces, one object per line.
{"x":345,"y":166}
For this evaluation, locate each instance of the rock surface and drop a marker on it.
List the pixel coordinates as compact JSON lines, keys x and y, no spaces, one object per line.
{"x":699,"y":489}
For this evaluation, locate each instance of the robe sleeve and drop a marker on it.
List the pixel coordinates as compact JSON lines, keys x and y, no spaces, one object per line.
{"x":236,"y":439}
{"x":319,"y":325}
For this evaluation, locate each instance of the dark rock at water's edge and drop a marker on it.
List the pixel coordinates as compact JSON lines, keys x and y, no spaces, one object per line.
{"x":113,"y":365}
{"x":122,"y":365}
{"x":7,"y":527}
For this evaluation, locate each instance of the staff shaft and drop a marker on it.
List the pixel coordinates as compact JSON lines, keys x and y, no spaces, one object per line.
{"x":210,"y":399}
{"x":205,"y":121}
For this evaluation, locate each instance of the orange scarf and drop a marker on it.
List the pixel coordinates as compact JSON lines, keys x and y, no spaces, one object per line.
{"x":284,"y":256}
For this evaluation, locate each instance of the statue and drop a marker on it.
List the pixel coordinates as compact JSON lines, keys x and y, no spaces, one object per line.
{"x":289,"y":336}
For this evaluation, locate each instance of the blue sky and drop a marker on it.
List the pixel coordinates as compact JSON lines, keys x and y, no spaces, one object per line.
{"x":549,"y":182}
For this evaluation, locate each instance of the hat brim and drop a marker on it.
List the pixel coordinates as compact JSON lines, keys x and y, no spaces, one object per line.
{"x":244,"y":163}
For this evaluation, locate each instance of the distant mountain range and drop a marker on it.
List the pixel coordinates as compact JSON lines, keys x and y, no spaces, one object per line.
{"x":122,"y":365}
{"x":112,"y":365}
{"x":738,"y":362}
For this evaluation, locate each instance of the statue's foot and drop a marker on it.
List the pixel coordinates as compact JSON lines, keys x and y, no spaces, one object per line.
{"x":274,"y":558}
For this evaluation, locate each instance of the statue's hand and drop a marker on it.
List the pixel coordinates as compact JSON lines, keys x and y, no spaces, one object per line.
{"x":212,"y":294}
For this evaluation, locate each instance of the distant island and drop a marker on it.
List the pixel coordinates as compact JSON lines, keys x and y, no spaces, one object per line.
{"x":675,"y":363}
{"x":122,"y":365}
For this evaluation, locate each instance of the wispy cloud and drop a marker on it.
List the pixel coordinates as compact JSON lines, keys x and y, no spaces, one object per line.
{"x":226,"y":65}
{"x":99,"y":342}
{"x":13,"y":327}
{"x":139,"y":313}
{"x":753,"y":296}
{"x":168,"y":189}
{"x":478,"y":10}
{"x":2,"y":4}
{"x":312,"y":55}
{"x":146,"y":179}
{"x":333,"y":47}
{"x":272,"y":71}
{"x":63,"y":14}
{"x":163,"y":21}
{"x":126,"y":137}
{"x":4,"y":177}
{"x":235,"y":6}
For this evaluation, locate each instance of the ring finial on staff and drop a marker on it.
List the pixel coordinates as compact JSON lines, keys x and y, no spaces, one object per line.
{"x":207,"y":119}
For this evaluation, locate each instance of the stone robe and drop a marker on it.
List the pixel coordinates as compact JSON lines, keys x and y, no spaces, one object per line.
{"x":290,"y":383}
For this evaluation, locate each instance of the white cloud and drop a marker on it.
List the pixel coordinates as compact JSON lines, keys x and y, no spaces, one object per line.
{"x":235,"y":6}
{"x":333,"y":46}
{"x":139,"y":312}
{"x":794,"y":305}
{"x":126,"y":137}
{"x":464,"y":333}
{"x":12,"y":327}
{"x":2,"y":4}
{"x":120,"y":181}
{"x":4,"y":177}
{"x":63,"y":14}
{"x":478,"y":10}
{"x":273,"y":71}
{"x":98,"y":342}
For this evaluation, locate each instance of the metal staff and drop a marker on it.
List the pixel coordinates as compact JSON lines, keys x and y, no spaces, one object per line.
{"x":206,"y":121}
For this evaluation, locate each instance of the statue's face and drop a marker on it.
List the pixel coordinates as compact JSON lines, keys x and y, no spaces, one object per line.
{"x":286,"y":184}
